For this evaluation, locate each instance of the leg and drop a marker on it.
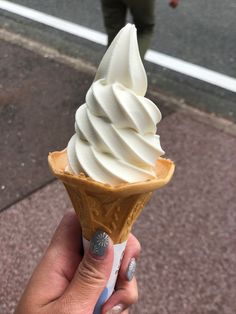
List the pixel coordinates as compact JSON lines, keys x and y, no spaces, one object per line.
{"x":114,"y":15}
{"x":144,"y":19}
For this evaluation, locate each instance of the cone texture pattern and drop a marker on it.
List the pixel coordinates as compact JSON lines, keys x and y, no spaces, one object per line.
{"x":113,"y":209}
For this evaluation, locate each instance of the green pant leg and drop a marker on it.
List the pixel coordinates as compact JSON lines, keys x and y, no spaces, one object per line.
{"x":114,"y":15}
{"x":143,"y":13}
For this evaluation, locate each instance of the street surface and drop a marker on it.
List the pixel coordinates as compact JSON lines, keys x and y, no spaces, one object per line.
{"x":199,"y":32}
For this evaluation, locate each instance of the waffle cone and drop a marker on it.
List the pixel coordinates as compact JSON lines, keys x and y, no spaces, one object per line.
{"x":113,"y":209}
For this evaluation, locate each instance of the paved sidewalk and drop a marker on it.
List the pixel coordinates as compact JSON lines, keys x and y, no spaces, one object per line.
{"x":187,"y":231}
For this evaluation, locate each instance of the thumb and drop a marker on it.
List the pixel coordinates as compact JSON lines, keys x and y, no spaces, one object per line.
{"x":92,"y":274}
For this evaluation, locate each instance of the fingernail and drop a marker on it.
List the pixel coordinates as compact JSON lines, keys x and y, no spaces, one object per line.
{"x":99,"y":243}
{"x":116,"y":309}
{"x":131,"y":269}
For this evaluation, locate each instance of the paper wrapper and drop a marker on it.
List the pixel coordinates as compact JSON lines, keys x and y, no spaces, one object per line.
{"x":113,"y":209}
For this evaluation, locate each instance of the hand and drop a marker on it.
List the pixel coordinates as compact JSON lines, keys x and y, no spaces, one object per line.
{"x":174,"y":3}
{"x":66,"y":282}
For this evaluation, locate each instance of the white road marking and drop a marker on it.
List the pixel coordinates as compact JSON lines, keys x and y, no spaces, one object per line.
{"x":193,"y":70}
{"x":54,"y":22}
{"x":172,"y":63}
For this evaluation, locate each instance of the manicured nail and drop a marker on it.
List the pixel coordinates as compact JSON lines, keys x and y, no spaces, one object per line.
{"x":99,"y":243}
{"x":116,"y":309}
{"x":131,"y":269}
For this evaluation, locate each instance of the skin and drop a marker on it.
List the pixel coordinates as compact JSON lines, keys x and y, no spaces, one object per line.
{"x":68,"y":282}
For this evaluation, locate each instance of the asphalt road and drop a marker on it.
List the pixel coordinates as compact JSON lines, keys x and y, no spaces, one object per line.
{"x":201,"y":32}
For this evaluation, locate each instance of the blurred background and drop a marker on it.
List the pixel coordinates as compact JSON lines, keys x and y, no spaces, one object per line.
{"x":49,"y":52}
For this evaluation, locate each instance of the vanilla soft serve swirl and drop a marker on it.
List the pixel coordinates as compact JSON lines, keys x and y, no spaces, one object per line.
{"x":115,"y":138}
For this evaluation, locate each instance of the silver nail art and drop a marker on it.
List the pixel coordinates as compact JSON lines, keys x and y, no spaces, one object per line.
{"x":131,"y":269}
{"x":116,"y":309}
{"x":99,"y":243}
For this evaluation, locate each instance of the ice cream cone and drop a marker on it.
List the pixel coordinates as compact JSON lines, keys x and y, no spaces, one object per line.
{"x":113,"y":209}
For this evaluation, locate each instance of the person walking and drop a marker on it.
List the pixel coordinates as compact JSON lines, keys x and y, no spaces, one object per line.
{"x":143,"y":14}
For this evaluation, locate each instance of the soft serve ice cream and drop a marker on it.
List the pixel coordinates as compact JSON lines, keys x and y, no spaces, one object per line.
{"x":115,"y":139}
{"x":115,"y":142}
